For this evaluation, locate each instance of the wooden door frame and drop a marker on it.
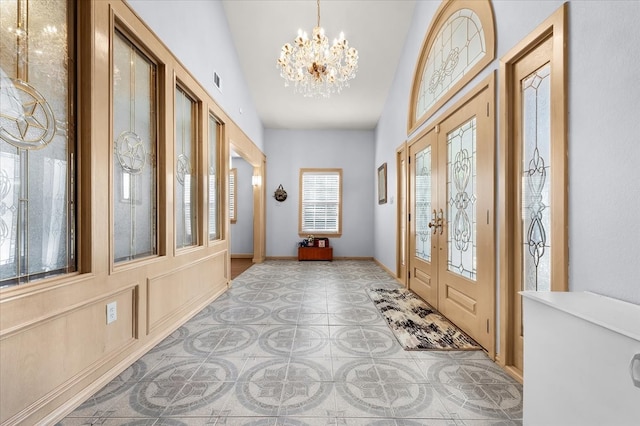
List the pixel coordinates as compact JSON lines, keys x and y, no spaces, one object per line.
{"x":554,"y":27}
{"x":401,"y":155}
{"x":243,"y":146}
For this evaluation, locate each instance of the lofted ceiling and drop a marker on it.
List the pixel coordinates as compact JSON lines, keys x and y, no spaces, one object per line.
{"x":377,"y":28}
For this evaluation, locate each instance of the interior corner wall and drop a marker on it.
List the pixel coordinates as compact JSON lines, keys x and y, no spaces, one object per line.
{"x":351,"y":150}
{"x":241,"y":232}
{"x":604,"y":100}
{"x":198,"y":34}
{"x":604,"y":148}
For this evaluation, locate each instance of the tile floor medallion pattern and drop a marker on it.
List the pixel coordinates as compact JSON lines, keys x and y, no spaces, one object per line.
{"x":300,"y":343}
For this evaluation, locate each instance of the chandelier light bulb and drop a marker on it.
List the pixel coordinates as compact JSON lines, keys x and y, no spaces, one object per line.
{"x":313,"y":67}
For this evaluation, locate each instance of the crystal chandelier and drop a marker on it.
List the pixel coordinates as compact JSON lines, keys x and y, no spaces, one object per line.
{"x":314,"y":68}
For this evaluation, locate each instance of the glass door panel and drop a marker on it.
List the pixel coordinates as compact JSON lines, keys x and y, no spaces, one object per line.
{"x":461,"y":198}
{"x":423,"y":233}
{"x":423,"y":204}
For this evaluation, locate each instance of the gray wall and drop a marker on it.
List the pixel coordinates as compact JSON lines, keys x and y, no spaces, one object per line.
{"x":242,"y":230}
{"x":198,"y":34}
{"x":604,"y":100}
{"x":287,"y":152}
{"x":604,"y":124}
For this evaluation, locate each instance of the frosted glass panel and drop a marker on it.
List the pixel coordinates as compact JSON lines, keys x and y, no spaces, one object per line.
{"x":457,"y":47}
{"x":536,"y":180}
{"x":134,"y":156}
{"x":36,"y":150}
{"x":186,"y":196}
{"x":462,"y":197}
{"x":214,"y":190}
{"x":423,"y":197}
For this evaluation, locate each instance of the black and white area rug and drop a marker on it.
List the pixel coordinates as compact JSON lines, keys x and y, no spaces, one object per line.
{"x":416,"y":324}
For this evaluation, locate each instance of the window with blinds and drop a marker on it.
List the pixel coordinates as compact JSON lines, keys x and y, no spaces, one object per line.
{"x":233,"y":173}
{"x":320,"y":210}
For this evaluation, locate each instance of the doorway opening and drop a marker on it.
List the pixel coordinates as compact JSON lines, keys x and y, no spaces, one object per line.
{"x":247,"y":166}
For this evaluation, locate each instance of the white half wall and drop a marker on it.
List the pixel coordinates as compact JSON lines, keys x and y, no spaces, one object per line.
{"x":287,"y":152}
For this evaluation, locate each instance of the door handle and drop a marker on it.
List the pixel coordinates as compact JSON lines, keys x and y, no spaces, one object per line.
{"x":433,"y":225}
{"x":634,"y":368}
{"x":437,"y":221}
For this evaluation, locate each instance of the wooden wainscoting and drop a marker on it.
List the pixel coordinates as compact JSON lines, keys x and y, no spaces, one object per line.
{"x":56,"y":347}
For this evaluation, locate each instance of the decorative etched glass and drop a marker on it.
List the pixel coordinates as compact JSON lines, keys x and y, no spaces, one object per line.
{"x":459,"y":45}
{"x":185,"y":185}
{"x":536,"y":180}
{"x":423,"y":197}
{"x":214,"y":191}
{"x":462,"y":197}
{"x":134,"y":152}
{"x":37,"y":234}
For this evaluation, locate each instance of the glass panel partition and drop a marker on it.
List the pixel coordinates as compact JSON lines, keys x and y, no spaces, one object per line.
{"x":37,"y":223}
{"x":214,"y":190}
{"x":186,"y":201}
{"x":134,"y":156}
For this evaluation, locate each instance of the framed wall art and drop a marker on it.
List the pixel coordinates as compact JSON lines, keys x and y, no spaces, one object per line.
{"x":382,"y":184}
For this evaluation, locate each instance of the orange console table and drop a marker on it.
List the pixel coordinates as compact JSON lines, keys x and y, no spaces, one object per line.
{"x":315,"y":253}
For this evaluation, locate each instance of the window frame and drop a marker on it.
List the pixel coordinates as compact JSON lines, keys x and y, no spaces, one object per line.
{"x":338,"y":171}
{"x":484,"y":11}
{"x":196,"y":139}
{"x":119,"y":27}
{"x":211,"y":117}
{"x":23,"y":276}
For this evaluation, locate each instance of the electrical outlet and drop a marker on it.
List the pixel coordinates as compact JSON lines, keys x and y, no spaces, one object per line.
{"x":112,"y":312}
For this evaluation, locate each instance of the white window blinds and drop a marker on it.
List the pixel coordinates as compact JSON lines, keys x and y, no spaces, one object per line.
{"x":232,"y":195}
{"x":320,"y":202}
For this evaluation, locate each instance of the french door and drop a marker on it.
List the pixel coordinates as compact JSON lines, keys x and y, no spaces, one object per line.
{"x":452,"y":245}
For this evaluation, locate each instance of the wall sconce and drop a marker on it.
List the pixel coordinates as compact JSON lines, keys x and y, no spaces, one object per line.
{"x":256,"y":180}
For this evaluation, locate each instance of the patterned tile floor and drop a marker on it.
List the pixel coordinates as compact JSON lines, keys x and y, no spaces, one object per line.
{"x":300,"y":343}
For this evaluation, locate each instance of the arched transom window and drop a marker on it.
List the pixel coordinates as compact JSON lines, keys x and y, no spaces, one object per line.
{"x":459,"y":43}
